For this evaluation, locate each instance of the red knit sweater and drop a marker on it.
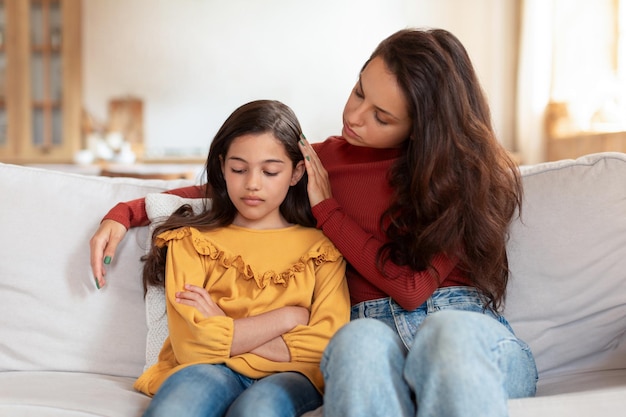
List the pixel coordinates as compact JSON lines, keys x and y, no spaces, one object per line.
{"x":351,"y":219}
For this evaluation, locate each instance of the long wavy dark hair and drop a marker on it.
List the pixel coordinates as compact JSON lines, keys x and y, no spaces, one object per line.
{"x":455,"y":187}
{"x":257,"y":117}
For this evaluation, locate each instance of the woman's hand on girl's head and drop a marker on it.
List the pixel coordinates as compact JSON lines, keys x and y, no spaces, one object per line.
{"x":102,"y":246}
{"x":199,"y":298}
{"x":319,"y":186}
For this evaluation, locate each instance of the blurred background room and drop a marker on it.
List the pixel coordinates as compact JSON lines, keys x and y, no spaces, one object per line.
{"x":104,"y":84}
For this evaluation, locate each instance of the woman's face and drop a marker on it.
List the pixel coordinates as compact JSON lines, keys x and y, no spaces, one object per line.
{"x":376,"y":113}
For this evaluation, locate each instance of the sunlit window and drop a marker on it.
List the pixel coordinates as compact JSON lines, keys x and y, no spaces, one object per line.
{"x":588,"y":82}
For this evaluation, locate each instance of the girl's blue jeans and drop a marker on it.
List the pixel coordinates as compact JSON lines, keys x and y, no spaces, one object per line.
{"x":215,"y":390}
{"x":449,"y":357}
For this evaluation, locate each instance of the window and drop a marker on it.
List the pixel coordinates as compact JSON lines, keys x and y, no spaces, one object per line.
{"x":588,"y":80}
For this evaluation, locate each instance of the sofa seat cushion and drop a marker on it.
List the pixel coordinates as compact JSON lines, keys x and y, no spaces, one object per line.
{"x":583,"y":381}
{"x":69,"y":394}
{"x":587,"y":394}
{"x":601,"y":393}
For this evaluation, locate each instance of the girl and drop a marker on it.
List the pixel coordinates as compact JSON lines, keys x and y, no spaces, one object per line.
{"x":253,"y":291}
{"x":417,"y":194}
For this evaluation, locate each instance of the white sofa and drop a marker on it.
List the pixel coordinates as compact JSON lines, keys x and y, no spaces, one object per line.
{"x":69,"y":349}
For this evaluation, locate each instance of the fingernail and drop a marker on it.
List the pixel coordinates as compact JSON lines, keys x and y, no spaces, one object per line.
{"x":301,"y":142}
{"x":107,"y":260}
{"x":97,"y":284}
{"x":302,"y":136}
{"x":308,"y":158}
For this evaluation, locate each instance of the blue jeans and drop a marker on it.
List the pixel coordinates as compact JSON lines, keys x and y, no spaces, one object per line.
{"x":449,"y":357}
{"x":215,"y":390}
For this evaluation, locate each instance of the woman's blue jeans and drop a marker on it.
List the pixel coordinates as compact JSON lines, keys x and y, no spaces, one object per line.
{"x":449,"y":357}
{"x":215,"y":390}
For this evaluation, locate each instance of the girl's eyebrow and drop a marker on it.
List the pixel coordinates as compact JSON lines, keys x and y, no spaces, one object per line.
{"x":380,"y":109}
{"x":267,"y":161}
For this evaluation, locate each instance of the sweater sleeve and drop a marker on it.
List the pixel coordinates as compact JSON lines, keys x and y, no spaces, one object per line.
{"x":193,"y":337}
{"x":407,"y":287}
{"x":330,"y":309}
{"x":133,"y":213}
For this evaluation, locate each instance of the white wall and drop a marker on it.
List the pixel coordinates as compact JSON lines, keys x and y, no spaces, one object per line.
{"x":194,"y":61}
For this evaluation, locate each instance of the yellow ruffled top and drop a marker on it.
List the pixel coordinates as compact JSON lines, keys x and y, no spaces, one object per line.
{"x":248,"y":272}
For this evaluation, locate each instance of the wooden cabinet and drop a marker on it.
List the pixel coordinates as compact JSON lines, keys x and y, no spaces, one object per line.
{"x":583,"y":143}
{"x":40,"y":80}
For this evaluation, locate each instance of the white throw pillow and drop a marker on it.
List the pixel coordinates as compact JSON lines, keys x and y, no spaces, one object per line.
{"x":159,"y":207}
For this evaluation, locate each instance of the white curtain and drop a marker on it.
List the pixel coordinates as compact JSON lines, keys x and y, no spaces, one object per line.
{"x":534,"y":78}
{"x":568,"y":54}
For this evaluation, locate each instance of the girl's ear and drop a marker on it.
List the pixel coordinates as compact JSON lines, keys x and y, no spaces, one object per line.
{"x":298,"y":172}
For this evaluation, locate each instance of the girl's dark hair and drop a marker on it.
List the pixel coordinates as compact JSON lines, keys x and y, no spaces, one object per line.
{"x":257,"y":117}
{"x":455,"y":188}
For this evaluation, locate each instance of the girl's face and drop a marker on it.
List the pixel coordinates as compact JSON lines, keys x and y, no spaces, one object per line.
{"x":376,"y":113}
{"x":258,"y":174}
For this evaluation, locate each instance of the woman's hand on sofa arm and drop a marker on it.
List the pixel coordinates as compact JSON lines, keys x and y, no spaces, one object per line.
{"x":102,"y":246}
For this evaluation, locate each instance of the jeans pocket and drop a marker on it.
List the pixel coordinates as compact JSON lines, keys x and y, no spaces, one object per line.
{"x":448,"y":298}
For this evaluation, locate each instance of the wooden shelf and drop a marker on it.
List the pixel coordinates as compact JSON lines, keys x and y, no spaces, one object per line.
{"x":139,"y":170}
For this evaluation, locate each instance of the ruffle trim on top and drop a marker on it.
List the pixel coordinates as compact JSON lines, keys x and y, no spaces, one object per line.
{"x":325,"y":253}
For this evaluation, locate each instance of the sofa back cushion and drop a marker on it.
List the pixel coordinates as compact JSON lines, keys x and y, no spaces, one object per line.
{"x":567,"y":255}
{"x":566,"y":295}
{"x":52,"y":317}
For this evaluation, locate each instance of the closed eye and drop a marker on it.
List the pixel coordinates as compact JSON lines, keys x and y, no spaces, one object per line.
{"x":359,"y":94}
{"x":378,"y":120}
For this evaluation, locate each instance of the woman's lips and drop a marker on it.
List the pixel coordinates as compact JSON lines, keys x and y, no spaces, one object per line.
{"x":349,"y":132}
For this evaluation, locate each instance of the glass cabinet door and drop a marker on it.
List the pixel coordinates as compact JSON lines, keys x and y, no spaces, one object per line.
{"x":46,"y":73}
{"x":40,"y":80}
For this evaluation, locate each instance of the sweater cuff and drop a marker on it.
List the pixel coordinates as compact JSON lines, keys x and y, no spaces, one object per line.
{"x":324,"y":210}
{"x":121,"y":213}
